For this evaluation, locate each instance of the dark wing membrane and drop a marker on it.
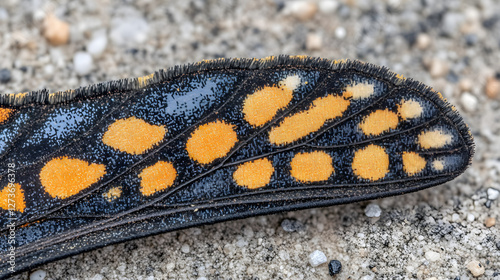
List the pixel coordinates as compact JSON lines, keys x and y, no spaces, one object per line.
{"x":210,"y":142}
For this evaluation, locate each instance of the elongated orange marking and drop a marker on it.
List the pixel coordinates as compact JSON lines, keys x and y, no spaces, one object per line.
{"x":5,"y":113}
{"x":311,"y":167}
{"x":12,"y":199}
{"x":413,"y":163}
{"x":211,"y":141}
{"x":379,"y":122}
{"x":359,"y":91}
{"x":302,"y":124}
{"x":434,"y":139}
{"x":112,"y":194}
{"x":409,"y":109}
{"x":64,"y":177}
{"x":371,"y":163}
{"x":254,"y":174}
{"x":157,"y":177}
{"x":133,"y":135}
{"x":261,"y":106}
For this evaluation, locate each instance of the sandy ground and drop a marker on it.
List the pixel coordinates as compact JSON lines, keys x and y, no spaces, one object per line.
{"x":451,"y":45}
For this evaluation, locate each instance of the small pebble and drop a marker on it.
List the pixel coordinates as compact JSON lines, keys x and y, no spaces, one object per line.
{"x":202,"y":278}
{"x":432,"y":256}
{"x":423,"y":41}
{"x":373,"y":210}
{"x":328,"y":6}
{"x":302,"y":10}
{"x":476,"y":268}
{"x":465,"y":85}
{"x":314,"y":42}
{"x":55,"y":30}
{"x":83,"y":63}
{"x":451,"y":23}
{"x":5,"y":75}
{"x":98,"y":43}
{"x":493,"y":193}
{"x":432,"y":278}
{"x":185,"y":248}
{"x":132,"y":31}
{"x":489,"y":222}
{"x":470,"y":218}
{"x":455,"y":217}
{"x":340,"y":32}
{"x":316,"y":258}
{"x":469,"y":102}
{"x":492,"y":87}
{"x":438,"y":68}
{"x":334,"y":267}
{"x":38,"y":275}
{"x":291,"y":225}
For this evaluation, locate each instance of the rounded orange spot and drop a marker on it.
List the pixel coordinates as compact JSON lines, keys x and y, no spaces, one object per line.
{"x":261,"y":106}
{"x":5,"y":113}
{"x":12,"y":198}
{"x":211,"y":141}
{"x":254,"y":174}
{"x":413,"y":163}
{"x":359,"y":91}
{"x":64,"y":177}
{"x":303,"y":123}
{"x":112,"y":194}
{"x":379,"y":122}
{"x":438,"y":165}
{"x":434,"y":139}
{"x":371,"y":163}
{"x":133,"y":136}
{"x":311,"y":167}
{"x":409,"y":109}
{"x":157,"y":177}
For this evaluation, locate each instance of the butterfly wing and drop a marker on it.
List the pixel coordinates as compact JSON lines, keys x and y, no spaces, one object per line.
{"x":210,"y":142}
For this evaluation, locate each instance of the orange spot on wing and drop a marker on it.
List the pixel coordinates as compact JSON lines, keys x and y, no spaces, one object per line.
{"x":413,"y":163}
{"x":434,"y":139}
{"x":157,"y":177}
{"x":371,"y":163}
{"x":12,"y":198}
{"x":311,"y":167}
{"x":302,"y":124}
{"x":409,"y":109}
{"x":379,"y":122}
{"x":64,"y":177}
{"x":211,"y":141}
{"x":261,"y":106}
{"x":133,"y":136}
{"x":359,"y":91}
{"x":254,"y":174}
{"x":5,"y":113}
{"x":112,"y":194}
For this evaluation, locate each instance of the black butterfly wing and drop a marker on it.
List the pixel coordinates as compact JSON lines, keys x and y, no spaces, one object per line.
{"x":210,"y":142}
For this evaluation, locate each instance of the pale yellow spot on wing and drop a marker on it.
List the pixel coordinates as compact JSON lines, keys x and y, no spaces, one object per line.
{"x":143,"y":81}
{"x":63,"y":177}
{"x":359,"y":91}
{"x":254,"y":174}
{"x":112,"y":194}
{"x":311,"y":167}
{"x":438,"y":165}
{"x":371,"y":163}
{"x":157,"y":177}
{"x":409,"y":109}
{"x":133,"y":136}
{"x":5,"y":113}
{"x":413,"y":163}
{"x":211,"y":141}
{"x":400,"y":76}
{"x":434,"y":139}
{"x":303,"y":123}
{"x":12,"y":198}
{"x":261,"y":106}
{"x":379,"y":122}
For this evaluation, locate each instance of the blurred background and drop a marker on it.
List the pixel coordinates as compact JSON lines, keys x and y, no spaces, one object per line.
{"x":451,"y":45}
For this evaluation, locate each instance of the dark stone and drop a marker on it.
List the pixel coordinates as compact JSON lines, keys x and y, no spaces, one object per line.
{"x":471,"y":39}
{"x":5,"y":76}
{"x":334,"y":267}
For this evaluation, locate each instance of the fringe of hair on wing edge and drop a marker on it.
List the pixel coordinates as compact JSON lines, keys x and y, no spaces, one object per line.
{"x":282,"y":61}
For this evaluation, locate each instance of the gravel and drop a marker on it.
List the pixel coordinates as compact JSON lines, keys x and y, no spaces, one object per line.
{"x":449,"y":45}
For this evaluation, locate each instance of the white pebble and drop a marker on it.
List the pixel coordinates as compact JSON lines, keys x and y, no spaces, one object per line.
{"x":316,"y":258}
{"x":38,"y":275}
{"x":98,"y":43}
{"x":314,"y":42}
{"x":432,"y":256}
{"x":328,"y":6}
{"x":303,"y":10}
{"x":470,"y":218}
{"x":202,"y":278}
{"x":423,"y":41}
{"x":455,"y":217}
{"x":469,"y":102}
{"x":241,"y":243}
{"x":373,"y":210}
{"x":83,"y":63}
{"x":185,"y":248}
{"x":340,"y":32}
{"x":367,"y":277}
{"x":97,"y":277}
{"x":493,"y":193}
{"x":476,"y":268}
{"x":129,"y":32}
